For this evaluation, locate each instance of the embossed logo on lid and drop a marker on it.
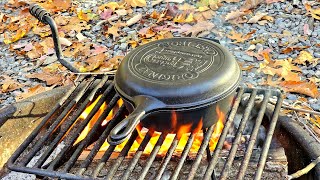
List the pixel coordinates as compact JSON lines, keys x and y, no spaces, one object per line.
{"x":174,"y":60}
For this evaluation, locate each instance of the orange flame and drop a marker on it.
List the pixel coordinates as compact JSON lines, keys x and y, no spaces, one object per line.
{"x":183,"y":133}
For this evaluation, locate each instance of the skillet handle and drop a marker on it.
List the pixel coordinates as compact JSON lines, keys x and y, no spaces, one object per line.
{"x":122,"y":130}
{"x":144,"y":105}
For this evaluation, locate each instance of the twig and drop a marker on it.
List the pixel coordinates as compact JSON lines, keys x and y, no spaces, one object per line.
{"x":304,"y":170}
{"x":298,"y":109}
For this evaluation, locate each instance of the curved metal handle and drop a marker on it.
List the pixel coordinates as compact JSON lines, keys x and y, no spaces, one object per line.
{"x":122,"y":130}
{"x":44,"y":16}
{"x":39,"y":12}
{"x":144,"y":105}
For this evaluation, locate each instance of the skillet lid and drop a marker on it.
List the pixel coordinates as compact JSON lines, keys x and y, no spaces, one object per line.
{"x":181,"y":72}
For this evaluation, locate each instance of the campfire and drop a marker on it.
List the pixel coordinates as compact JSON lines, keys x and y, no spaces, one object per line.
{"x":183,"y":133}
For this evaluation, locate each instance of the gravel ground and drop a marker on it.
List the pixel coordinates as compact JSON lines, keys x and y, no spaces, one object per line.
{"x":287,"y":17}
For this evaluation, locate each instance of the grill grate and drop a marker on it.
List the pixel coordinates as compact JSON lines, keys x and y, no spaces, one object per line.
{"x":57,"y":128}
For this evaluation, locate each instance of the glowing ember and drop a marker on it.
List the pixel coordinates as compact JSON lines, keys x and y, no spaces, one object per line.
{"x":183,"y":134}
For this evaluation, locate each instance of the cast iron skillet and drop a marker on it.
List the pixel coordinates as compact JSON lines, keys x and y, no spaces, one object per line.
{"x":173,"y":82}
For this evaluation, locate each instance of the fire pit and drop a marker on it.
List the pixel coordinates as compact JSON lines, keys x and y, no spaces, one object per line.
{"x":70,"y":142}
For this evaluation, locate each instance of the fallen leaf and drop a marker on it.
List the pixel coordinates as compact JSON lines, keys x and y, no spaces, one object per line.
{"x":315,"y":13}
{"x":290,"y":49}
{"x":111,"y":64}
{"x":112,"y":5}
{"x":81,"y":37}
{"x":121,"y":12}
{"x":200,"y":27}
{"x":19,"y":34}
{"x":8,"y":84}
{"x":65,"y":41}
{"x":238,"y":37}
{"x":33,"y":91}
{"x":234,"y":14}
{"x":250,"y":4}
{"x":305,"y":57}
{"x":301,"y":87}
{"x":182,"y":28}
{"x":106,"y":14}
{"x":48,"y":78}
{"x":93,"y":63}
{"x":134,"y":19}
{"x":98,"y":49}
{"x":257,"y":17}
{"x":114,"y":31}
{"x":231,"y":1}
{"x":137,"y":3}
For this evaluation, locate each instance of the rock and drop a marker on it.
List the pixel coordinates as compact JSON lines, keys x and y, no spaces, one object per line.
{"x":316,"y":54}
{"x":292,"y":97}
{"x":317,"y":74}
{"x":247,"y":58}
{"x":124,"y":46}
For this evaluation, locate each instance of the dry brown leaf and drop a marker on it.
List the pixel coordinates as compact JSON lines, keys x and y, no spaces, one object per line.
{"x":238,"y":37}
{"x":33,"y":91}
{"x":257,"y":17}
{"x":305,"y":57}
{"x":301,"y":87}
{"x":8,"y":84}
{"x":315,"y":13}
{"x":200,"y":27}
{"x":250,"y":4}
{"x":231,"y":1}
{"x":48,"y":78}
{"x":114,"y":31}
{"x":93,"y":63}
{"x":290,"y":49}
{"x":234,"y":15}
{"x":111,"y":64}
{"x":137,"y":3}
{"x":134,"y":19}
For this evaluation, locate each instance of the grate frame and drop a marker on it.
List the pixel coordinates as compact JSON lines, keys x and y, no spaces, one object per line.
{"x":85,"y":92}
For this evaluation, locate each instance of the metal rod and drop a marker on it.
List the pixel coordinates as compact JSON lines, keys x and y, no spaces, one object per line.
{"x":152,"y":156}
{"x":45,"y":121}
{"x":116,"y":119}
{"x":69,"y":123}
{"x":137,"y":155}
{"x":253,"y":136}
{"x":57,"y":44}
{"x":237,"y":139}
{"x":81,"y":127}
{"x":167,"y":158}
{"x":56,"y":123}
{"x":91,"y":133}
{"x":184,"y":155}
{"x":122,"y":155}
{"x":103,"y":160}
{"x":214,"y":159}
{"x":266,"y":146}
{"x":200,"y":153}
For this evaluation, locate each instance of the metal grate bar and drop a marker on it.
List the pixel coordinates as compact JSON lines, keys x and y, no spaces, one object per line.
{"x":54,"y":126}
{"x":266,"y":146}
{"x":167,"y":158}
{"x":116,"y":119}
{"x":200,"y":153}
{"x":137,"y":156}
{"x":69,"y":123}
{"x":90,"y":135}
{"x":122,"y":155}
{"x":183,"y":157}
{"x":103,"y":160}
{"x":152,"y":156}
{"x":67,"y":131}
{"x":223,"y":136}
{"x":237,"y":139}
{"x":253,"y":136}
{"x":79,"y":129}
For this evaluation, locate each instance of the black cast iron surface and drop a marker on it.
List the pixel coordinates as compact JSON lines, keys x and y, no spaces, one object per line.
{"x":56,"y":129}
